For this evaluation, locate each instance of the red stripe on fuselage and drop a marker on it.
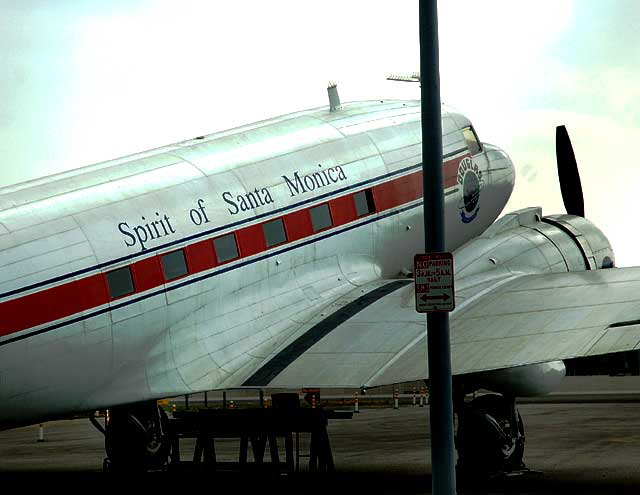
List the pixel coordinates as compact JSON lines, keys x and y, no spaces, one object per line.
{"x":53,"y":303}
{"x":70,"y":298}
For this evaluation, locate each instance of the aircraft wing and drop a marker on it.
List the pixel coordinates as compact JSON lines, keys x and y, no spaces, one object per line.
{"x":373,"y":335}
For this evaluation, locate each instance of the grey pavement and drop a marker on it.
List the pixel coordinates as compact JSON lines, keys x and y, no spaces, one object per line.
{"x":579,"y":448}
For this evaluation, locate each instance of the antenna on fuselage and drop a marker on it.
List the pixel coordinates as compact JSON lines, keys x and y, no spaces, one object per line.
{"x":334,"y":98}
{"x":413,"y":77}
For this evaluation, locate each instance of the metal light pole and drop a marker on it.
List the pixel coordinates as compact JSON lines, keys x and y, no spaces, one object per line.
{"x":441,"y":403}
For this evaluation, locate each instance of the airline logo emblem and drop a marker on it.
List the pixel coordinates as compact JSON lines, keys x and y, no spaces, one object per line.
{"x":471,"y":183}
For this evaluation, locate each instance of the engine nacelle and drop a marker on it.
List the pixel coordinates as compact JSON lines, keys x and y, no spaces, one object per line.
{"x":525,"y":241}
{"x":591,"y":242}
{"x":522,"y":381}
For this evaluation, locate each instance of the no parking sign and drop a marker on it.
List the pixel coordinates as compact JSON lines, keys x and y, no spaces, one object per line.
{"x":434,"y":282}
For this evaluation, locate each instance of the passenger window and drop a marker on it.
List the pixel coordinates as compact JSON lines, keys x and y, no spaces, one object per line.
{"x":226,"y":247}
{"x":120,"y":282}
{"x":364,"y":202}
{"x":274,"y":232}
{"x":174,"y":265}
{"x":472,"y":141}
{"x":320,"y":217}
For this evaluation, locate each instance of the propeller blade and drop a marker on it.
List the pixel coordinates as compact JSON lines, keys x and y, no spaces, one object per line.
{"x":568,"y":174}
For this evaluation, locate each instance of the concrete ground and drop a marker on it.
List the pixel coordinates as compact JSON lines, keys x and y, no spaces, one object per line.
{"x":579,"y":448}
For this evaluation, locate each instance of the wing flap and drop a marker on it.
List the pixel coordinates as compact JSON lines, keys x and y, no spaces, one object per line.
{"x":625,"y":337}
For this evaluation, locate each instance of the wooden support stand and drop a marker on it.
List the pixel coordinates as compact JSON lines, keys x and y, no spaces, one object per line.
{"x":257,"y":427}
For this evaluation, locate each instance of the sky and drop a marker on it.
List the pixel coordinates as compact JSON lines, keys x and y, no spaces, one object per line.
{"x":85,"y":81}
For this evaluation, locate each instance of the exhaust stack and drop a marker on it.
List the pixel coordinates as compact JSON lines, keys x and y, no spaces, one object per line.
{"x":334,"y":98}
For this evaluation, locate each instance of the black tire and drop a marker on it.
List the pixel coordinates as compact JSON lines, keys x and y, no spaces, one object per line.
{"x":130,"y":442}
{"x":484,"y":439}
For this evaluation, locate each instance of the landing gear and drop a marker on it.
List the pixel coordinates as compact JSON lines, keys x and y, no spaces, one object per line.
{"x":136,"y":438}
{"x":490,"y":436}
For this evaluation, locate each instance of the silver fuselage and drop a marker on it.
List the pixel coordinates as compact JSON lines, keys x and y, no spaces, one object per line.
{"x":66,"y":345}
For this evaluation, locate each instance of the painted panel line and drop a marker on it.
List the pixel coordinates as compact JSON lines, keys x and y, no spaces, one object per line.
{"x":267,"y":373}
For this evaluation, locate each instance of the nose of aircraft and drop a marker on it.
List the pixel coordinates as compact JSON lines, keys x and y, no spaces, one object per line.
{"x":501,"y":170}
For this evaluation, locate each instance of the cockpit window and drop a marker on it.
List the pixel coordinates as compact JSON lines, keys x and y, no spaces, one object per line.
{"x":472,"y":141}
{"x":495,"y":155}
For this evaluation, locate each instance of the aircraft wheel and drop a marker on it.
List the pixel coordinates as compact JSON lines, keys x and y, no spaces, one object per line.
{"x":487,"y":441}
{"x":136,"y":438}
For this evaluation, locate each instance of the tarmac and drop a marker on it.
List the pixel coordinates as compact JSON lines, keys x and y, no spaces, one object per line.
{"x":585,"y":447}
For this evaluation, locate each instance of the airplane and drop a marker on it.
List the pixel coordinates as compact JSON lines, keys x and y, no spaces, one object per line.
{"x":279,"y":255}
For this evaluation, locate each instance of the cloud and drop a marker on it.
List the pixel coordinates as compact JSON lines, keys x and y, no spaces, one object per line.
{"x":601,"y":35}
